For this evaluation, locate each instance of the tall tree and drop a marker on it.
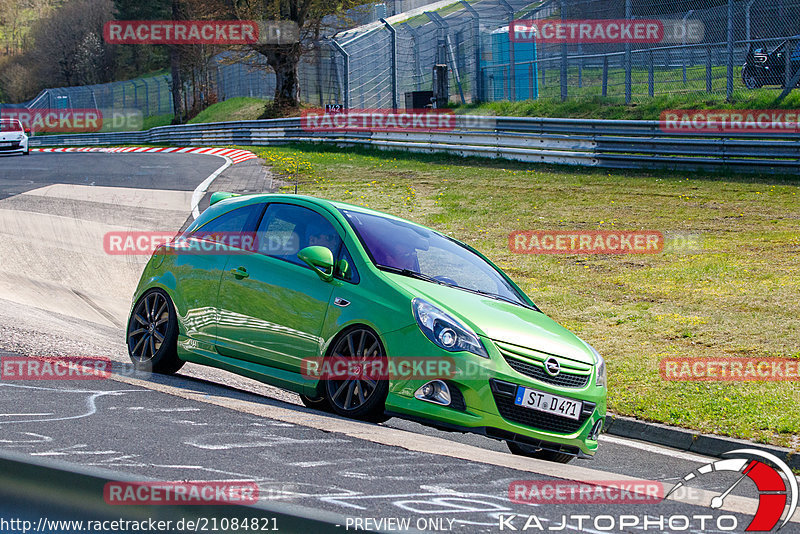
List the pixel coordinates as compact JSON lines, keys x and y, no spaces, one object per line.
{"x":284,"y":58}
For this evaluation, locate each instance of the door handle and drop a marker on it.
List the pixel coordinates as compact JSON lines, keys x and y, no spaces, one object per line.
{"x":239,"y":272}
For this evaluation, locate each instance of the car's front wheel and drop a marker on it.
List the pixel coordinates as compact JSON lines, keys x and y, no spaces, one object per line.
{"x":521,"y":449}
{"x":358,"y":394}
{"x":153,"y":334}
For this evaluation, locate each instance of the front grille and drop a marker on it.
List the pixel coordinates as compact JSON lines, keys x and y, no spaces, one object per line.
{"x":536,"y":419}
{"x":562,"y":379}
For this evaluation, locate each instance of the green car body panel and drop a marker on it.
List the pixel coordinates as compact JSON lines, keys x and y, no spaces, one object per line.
{"x":263,"y":326}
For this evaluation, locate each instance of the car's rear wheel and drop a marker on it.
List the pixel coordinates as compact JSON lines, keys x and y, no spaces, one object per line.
{"x":359,"y":396}
{"x":750,"y":80}
{"x":153,"y":334}
{"x":540,"y":454}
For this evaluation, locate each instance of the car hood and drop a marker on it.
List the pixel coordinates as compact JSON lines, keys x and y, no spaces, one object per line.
{"x":501,"y":321}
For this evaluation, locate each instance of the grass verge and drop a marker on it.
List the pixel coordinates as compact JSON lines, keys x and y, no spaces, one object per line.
{"x":737,"y":297}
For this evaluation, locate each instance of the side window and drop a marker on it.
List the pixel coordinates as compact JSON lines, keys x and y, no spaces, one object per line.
{"x":350,"y":274}
{"x":287,"y":229}
{"x":233,"y":228}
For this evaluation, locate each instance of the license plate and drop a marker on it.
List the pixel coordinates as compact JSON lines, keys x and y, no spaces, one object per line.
{"x":545,"y":402}
{"x":6,"y":144}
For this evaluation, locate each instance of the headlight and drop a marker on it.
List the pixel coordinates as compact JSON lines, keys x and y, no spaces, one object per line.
{"x":600,"y":367}
{"x":444,"y":330}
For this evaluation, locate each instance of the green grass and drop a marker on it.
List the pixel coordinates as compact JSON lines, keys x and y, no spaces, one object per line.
{"x":738,"y":297}
{"x":234,"y":109}
{"x":156,"y":120}
{"x":587,"y":102}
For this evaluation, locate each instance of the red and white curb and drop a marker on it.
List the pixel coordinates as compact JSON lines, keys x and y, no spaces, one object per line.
{"x":235,"y":155}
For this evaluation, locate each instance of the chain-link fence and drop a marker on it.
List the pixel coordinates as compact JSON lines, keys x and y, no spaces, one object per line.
{"x":379,"y":65}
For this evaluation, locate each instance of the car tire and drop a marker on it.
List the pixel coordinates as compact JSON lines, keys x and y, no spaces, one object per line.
{"x":152,"y":335}
{"x":318,"y":403}
{"x":363,"y":343}
{"x":750,"y":80}
{"x":540,"y":454}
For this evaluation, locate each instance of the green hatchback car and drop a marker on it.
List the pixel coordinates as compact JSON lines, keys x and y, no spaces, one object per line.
{"x":368,"y":316}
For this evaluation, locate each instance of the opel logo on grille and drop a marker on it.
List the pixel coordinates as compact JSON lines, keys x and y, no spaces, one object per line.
{"x":551,"y":366}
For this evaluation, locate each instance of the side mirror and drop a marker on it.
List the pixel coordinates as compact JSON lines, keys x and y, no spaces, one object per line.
{"x":320,"y":259}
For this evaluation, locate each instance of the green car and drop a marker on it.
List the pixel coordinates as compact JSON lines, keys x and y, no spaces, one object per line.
{"x":368,"y":316}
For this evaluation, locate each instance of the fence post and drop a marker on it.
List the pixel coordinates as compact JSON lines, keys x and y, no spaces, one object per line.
{"x":628,"y":14}
{"x":747,"y":20}
{"x":478,"y":92}
{"x":511,"y":59}
{"x":787,"y":55}
{"x":346,"y":58}
{"x":393,"y":41}
{"x":415,"y":47}
{"x":683,"y":56}
{"x":708,"y":70}
{"x":531,"y":80}
{"x":564,"y":66}
{"x":729,"y":91}
{"x":650,"y":77}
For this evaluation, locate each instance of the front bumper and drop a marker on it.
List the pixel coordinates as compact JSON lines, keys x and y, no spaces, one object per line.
{"x":13,"y":146}
{"x":484,"y":402}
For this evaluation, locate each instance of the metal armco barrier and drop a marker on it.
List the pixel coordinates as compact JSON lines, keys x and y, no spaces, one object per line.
{"x":617,"y":144}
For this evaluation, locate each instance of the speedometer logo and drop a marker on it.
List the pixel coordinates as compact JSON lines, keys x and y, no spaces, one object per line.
{"x":777,"y":486}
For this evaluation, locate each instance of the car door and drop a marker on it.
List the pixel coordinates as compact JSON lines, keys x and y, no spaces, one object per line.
{"x":272,"y":305}
{"x":198,"y":268}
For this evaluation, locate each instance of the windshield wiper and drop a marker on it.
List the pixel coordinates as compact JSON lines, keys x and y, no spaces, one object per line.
{"x":412,"y":274}
{"x":500,"y":297}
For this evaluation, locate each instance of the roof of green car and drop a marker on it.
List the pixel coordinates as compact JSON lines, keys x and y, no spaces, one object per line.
{"x":322,"y":202}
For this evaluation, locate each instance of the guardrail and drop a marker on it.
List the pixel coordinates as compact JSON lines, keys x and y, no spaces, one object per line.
{"x":602,"y":143}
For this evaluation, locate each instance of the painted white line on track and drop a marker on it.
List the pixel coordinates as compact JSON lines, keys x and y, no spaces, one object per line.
{"x":200,"y":191}
{"x":655,"y":449}
{"x":431,"y":445}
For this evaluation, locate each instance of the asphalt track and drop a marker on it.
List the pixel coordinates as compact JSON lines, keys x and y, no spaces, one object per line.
{"x":61,"y":295}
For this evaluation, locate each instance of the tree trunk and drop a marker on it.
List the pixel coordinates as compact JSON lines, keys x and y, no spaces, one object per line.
{"x":175,"y":68}
{"x":284,"y":61}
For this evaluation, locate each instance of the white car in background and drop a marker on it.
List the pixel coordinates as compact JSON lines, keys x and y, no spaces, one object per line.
{"x":13,"y":138}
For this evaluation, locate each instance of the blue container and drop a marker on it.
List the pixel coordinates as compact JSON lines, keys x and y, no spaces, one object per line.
{"x":495,"y":65}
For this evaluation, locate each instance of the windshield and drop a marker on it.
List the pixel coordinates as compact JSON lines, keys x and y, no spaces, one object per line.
{"x":413,"y":250}
{"x":10,"y":126}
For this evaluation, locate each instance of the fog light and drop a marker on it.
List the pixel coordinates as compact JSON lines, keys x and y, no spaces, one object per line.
{"x":596,"y":429}
{"x":435,"y":391}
